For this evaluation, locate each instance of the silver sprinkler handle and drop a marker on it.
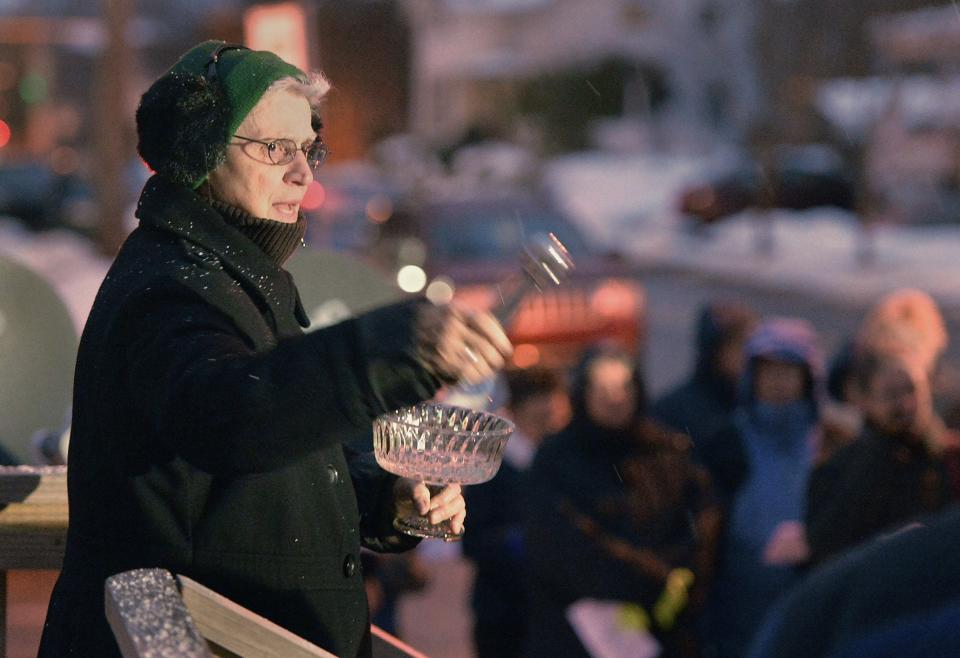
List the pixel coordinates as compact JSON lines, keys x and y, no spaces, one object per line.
{"x":546,"y":264}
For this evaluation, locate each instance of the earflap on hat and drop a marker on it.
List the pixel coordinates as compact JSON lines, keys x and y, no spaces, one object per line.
{"x":183,"y":127}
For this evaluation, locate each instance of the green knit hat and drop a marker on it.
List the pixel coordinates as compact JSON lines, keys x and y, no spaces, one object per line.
{"x":188,"y":116}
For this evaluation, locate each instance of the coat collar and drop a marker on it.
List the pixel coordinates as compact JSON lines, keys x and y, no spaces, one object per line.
{"x":178,"y":210}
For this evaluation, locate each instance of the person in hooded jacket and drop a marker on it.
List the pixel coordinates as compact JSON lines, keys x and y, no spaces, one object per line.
{"x":618,"y":512}
{"x":702,"y":405}
{"x":760,"y":465}
{"x":209,"y":431}
{"x":893,"y":474}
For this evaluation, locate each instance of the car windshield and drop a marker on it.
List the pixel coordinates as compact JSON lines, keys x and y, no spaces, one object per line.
{"x":485,"y":236}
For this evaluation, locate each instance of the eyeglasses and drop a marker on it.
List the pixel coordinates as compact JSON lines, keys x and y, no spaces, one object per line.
{"x":283,"y":151}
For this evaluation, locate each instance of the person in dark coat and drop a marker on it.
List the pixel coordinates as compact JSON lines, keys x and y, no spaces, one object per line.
{"x":893,"y":596}
{"x":618,"y":513}
{"x":893,"y":474}
{"x":495,"y":541}
{"x":209,"y":432}
{"x":704,"y":403}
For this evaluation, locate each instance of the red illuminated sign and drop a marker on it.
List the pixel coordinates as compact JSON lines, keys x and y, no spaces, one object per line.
{"x":279,"y":28}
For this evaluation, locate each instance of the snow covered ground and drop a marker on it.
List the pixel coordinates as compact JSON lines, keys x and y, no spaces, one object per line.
{"x":627,"y":204}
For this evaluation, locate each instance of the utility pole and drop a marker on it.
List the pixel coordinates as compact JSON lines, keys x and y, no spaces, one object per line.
{"x":111,"y":118}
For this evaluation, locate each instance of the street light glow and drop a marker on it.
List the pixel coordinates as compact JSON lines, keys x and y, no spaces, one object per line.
{"x":411,"y":278}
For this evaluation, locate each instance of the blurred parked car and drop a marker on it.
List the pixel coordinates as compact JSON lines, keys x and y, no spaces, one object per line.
{"x":347,"y":202}
{"x":43,"y":199}
{"x":470,"y":250}
{"x":801,"y":177}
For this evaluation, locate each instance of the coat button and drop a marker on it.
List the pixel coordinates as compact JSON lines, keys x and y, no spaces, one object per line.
{"x":333,"y":474}
{"x":349,"y":566}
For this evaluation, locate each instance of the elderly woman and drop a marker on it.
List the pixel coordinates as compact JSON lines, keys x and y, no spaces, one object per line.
{"x":208,"y":429}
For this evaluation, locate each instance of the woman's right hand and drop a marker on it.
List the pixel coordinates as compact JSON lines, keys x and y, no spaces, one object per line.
{"x":461,"y":345}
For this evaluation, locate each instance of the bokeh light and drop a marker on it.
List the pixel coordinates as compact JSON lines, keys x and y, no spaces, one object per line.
{"x":33,"y":88}
{"x":315,"y":196}
{"x":526,"y":355}
{"x":614,"y":298}
{"x":440,"y":290}
{"x":379,"y":208}
{"x":412,"y":251}
{"x":411,"y":278}
{"x":4,"y":133}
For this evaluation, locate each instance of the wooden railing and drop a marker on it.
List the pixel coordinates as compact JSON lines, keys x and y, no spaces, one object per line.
{"x":151,"y":616}
{"x":148,"y":609}
{"x":33,"y":524}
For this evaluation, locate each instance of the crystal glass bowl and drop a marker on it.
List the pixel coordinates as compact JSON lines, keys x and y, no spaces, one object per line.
{"x":439,"y":444}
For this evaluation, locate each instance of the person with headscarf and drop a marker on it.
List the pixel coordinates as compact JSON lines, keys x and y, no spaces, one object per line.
{"x":760,"y":465}
{"x":619,"y":514}
{"x":702,"y":405}
{"x":208,"y":429}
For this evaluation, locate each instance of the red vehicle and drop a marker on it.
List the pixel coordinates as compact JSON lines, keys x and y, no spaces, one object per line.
{"x":469,"y":250}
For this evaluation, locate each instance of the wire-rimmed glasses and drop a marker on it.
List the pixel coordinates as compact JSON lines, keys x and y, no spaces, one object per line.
{"x":282,"y":151}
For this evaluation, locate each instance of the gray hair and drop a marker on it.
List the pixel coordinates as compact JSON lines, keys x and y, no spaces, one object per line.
{"x":314,"y":88}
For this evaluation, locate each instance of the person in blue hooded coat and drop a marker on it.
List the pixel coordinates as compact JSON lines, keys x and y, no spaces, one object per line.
{"x":760,"y":464}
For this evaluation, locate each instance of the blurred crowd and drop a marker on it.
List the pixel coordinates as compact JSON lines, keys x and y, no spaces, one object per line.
{"x":779,"y":501}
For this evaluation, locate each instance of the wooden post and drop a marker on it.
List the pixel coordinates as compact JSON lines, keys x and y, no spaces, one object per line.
{"x":111,"y":118}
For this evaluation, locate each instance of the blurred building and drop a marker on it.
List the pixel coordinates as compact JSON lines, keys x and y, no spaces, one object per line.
{"x":50,"y":51}
{"x":802,"y":43}
{"x":364,"y":48}
{"x":482,"y":63}
{"x":556,"y":75}
{"x":904,"y":118}
{"x":71,"y":74}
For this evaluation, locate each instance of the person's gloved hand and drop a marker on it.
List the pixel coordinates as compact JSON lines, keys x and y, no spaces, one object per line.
{"x":460,"y":345}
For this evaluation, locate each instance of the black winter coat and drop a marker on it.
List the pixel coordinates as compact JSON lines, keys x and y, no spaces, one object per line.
{"x":605,"y":512}
{"x":888,"y":598}
{"x":207,"y":434}
{"x":700,"y":407}
{"x":874,"y":484}
{"x":495,"y":546}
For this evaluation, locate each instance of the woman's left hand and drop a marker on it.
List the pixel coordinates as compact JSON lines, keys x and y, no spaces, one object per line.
{"x":436,"y":504}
